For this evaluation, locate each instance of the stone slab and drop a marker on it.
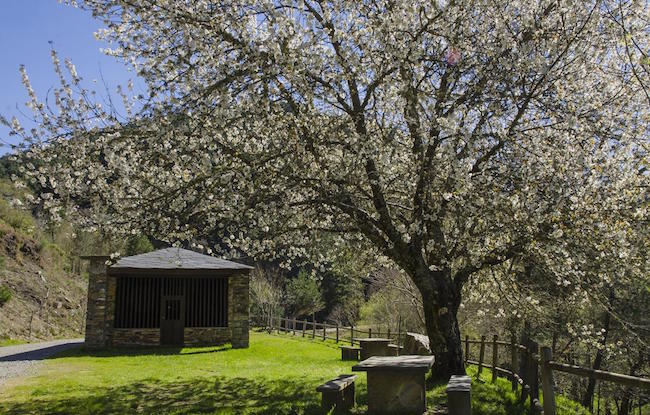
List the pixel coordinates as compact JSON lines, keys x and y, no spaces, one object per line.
{"x":395,"y":363}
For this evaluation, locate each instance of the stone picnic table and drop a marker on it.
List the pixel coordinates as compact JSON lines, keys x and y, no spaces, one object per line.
{"x":396,"y":383}
{"x":376,"y":346}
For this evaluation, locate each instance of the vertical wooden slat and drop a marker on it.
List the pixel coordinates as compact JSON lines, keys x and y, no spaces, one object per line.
{"x":224,"y":302}
{"x":196,"y":303}
{"x":151,"y":303}
{"x":219,"y":302}
{"x":189,"y":289}
{"x":137,"y":303}
{"x":125,"y":301}
{"x":143,"y":296}
{"x":197,"y":300}
{"x":197,"y":310}
{"x":118,"y":303}
{"x":188,"y":302}
{"x":132,"y":302}
{"x":206,"y":321}
{"x":140,"y":308}
{"x":212,"y":307}
{"x":145,"y":302}
{"x":202,"y":303}
{"x":154,"y":310}
{"x":208,"y":303}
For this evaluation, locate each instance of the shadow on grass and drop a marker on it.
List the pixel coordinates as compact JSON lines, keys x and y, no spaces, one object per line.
{"x":142,"y":351}
{"x":197,"y":396}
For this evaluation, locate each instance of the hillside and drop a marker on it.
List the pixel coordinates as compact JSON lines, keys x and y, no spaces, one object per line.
{"x":47,"y":300}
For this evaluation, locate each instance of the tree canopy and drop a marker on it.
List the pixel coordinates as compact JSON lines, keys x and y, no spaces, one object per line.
{"x":445,"y":136}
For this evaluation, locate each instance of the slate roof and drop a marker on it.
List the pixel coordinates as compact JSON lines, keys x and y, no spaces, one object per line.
{"x":176,"y":259}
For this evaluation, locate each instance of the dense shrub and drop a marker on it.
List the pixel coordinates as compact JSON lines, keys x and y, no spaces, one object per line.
{"x":138,"y":245}
{"x":5,"y":295}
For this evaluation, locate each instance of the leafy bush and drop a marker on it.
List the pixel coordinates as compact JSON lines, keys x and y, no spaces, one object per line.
{"x":138,"y":245}
{"x":5,"y":295}
{"x":17,"y":219}
{"x":304,"y":295}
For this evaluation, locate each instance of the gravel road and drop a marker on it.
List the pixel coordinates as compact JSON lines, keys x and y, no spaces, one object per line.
{"x":24,"y":359}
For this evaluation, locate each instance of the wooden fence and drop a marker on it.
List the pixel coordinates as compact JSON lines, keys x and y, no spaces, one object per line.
{"x":528,"y":364}
{"x":325,"y":331}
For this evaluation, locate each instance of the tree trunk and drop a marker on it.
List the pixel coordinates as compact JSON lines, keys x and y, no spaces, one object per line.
{"x":440,"y":315}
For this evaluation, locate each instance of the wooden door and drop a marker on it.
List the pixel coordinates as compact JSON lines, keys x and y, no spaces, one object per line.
{"x":172,"y":320}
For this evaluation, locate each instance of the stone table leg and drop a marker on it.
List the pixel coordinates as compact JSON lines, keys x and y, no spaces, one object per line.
{"x":374,"y":349}
{"x":395,"y":392}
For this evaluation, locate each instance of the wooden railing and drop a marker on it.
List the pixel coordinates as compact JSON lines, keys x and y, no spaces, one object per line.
{"x":528,"y":364}
{"x":325,"y":331}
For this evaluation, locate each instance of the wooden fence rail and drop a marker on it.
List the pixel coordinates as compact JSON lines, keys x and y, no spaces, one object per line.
{"x":325,"y":331}
{"x":529,"y":364}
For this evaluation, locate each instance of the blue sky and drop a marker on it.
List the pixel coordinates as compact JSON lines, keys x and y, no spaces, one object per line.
{"x":26,"y":26}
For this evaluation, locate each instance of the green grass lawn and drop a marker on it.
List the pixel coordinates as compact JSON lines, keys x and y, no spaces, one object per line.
{"x":276,"y":375}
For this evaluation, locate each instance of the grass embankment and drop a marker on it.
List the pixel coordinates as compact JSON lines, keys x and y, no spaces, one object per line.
{"x":276,"y":375}
{"x":11,"y":342}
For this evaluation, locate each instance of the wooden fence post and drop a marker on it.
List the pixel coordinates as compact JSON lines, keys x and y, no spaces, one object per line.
{"x":351,"y":335}
{"x":388,"y":336}
{"x":313,"y":328}
{"x":533,"y":378}
{"x":466,"y":349}
{"x":324,"y":331}
{"x":304,"y":324}
{"x":293,"y":326}
{"x":514,"y":352}
{"x":481,"y":357}
{"x":524,"y":360}
{"x":337,"y":333}
{"x":370,"y":332}
{"x":495,"y":357}
{"x":547,"y":381}
{"x":378,"y":331}
{"x":525,"y":389}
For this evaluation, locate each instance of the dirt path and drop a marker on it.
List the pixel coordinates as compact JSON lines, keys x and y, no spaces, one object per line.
{"x":23,"y":359}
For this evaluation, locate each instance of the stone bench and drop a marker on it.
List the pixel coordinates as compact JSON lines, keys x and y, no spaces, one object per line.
{"x":350,"y":352}
{"x":338,"y":394}
{"x":458,"y":395}
{"x":394,"y":350}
